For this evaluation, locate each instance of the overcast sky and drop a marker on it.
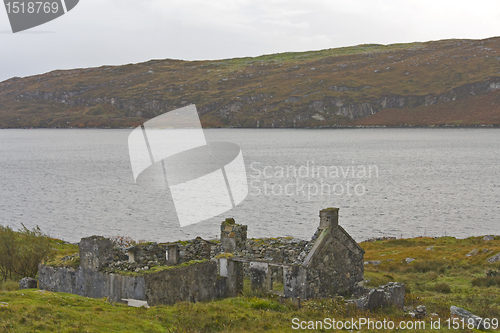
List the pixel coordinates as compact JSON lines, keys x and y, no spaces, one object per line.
{"x":115,"y":32}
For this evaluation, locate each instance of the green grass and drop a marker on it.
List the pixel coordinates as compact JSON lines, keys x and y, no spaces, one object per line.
{"x":9,"y":285}
{"x":440,"y":277}
{"x":63,"y":249}
{"x":156,"y":269}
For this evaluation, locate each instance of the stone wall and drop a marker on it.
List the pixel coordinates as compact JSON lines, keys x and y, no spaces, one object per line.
{"x":100,"y":276}
{"x":90,"y":283}
{"x":194,"y":283}
{"x":337,"y":266}
{"x":95,"y":252}
{"x":285,"y":250}
{"x":233,"y":236}
{"x":147,"y":254}
{"x":196,"y":249}
{"x":333,"y":264}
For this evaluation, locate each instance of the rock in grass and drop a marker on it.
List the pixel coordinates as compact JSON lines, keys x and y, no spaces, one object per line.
{"x":28,"y":283}
{"x":488,"y":238}
{"x":467,"y":316}
{"x":472,"y":253}
{"x":493,"y":259}
{"x":409,"y":260}
{"x":420,"y":312}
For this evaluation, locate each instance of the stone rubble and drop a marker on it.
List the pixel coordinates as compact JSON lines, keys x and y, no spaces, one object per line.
{"x":393,"y":293}
{"x":419,"y":313}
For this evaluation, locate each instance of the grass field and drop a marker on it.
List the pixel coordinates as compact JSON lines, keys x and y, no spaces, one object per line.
{"x":440,"y":276}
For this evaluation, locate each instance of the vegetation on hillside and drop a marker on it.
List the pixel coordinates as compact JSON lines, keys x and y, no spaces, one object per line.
{"x":446,"y":271}
{"x":22,"y":251}
{"x":335,"y":87}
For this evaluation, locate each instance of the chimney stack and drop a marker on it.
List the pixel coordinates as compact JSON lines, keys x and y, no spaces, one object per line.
{"x":328,"y":218}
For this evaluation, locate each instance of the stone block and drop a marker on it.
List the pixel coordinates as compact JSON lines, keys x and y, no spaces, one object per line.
{"x":173,"y":254}
{"x":259,"y":276}
{"x":28,"y":283}
{"x":95,"y":252}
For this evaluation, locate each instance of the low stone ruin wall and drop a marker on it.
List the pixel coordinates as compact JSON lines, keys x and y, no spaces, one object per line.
{"x":193,"y":283}
{"x":90,"y":283}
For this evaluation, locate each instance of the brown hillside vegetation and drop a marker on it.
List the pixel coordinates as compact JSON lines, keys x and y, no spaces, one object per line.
{"x":473,"y":111}
{"x":448,"y":82}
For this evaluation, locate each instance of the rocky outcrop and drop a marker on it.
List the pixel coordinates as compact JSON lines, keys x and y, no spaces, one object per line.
{"x":353,"y":110}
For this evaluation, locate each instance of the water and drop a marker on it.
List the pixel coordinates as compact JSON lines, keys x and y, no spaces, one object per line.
{"x":434,"y":182}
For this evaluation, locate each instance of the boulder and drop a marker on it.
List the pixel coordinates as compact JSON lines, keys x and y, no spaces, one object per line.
{"x":420,"y":312}
{"x":472,"y":253}
{"x":493,"y":259}
{"x":488,"y":238}
{"x":28,"y":283}
{"x":467,"y":316}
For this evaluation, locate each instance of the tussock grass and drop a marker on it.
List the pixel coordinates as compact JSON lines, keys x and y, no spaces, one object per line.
{"x":442,"y":274}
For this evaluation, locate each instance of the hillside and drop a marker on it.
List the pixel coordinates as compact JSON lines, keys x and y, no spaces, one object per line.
{"x":448,"y":82}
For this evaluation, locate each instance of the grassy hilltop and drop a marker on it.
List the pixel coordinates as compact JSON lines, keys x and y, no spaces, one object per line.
{"x":447,"y":82}
{"x":440,"y":276}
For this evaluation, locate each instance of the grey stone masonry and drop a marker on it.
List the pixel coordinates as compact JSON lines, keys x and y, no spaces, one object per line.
{"x":334,"y":264}
{"x":328,"y":217}
{"x":391,"y":294}
{"x":95,"y":252}
{"x":233,"y":236}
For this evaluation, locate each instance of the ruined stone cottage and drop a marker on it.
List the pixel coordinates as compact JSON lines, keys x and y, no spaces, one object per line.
{"x":330,"y":264}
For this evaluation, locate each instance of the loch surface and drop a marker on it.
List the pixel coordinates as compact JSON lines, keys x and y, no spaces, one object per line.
{"x":387,"y":182}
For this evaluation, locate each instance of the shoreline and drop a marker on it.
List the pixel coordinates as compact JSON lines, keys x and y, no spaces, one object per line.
{"x":277,"y":128}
